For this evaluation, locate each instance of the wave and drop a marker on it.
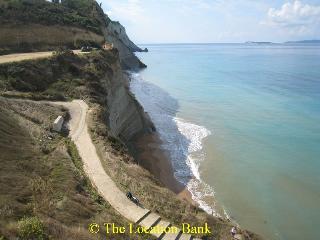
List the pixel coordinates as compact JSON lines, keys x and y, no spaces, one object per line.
{"x":194,"y":156}
{"x":181,"y":139}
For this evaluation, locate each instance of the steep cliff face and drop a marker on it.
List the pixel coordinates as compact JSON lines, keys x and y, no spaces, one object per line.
{"x":115,"y":33}
{"x":117,"y":29}
{"x":40,"y":25}
{"x":96,"y":77}
{"x":126,"y":116}
{"x":127,"y":58}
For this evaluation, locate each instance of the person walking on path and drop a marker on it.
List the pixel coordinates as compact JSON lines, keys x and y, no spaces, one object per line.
{"x":233,"y":231}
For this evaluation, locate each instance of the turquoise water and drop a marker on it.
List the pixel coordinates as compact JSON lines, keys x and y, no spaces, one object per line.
{"x":242,"y":123}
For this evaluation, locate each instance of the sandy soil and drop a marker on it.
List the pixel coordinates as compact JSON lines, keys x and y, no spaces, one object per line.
{"x":157,"y":161}
{"x":27,"y":56}
{"x":78,"y":110}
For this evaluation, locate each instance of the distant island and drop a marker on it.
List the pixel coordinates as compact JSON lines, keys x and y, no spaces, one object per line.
{"x":304,"y":41}
{"x":251,"y":42}
{"x":288,"y":42}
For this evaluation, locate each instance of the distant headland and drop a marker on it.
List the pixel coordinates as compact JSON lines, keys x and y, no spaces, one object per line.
{"x":288,"y":42}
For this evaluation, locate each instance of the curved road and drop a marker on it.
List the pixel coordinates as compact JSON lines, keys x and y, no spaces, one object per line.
{"x":16,"y":57}
{"x":100,"y":179}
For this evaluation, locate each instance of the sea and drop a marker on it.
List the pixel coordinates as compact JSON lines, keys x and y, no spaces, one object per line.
{"x":241,"y":123}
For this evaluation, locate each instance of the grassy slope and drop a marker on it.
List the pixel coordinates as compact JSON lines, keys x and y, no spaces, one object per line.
{"x":36,"y":37}
{"x":39,"y":24}
{"x":44,"y":178}
{"x":80,"y":77}
{"x":63,"y":76}
{"x":47,"y":13}
{"x":129,"y":176}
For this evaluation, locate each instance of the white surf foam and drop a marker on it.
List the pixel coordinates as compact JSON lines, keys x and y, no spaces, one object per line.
{"x":182,"y":139}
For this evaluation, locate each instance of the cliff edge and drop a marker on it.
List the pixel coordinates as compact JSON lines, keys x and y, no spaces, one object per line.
{"x":39,"y":25}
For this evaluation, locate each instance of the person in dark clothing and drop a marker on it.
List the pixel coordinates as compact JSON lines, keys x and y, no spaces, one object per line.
{"x":129,"y":195}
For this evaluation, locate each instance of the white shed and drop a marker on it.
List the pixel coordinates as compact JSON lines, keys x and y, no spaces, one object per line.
{"x":57,"y":125}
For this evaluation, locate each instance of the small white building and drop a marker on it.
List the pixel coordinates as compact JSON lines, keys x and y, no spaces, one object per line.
{"x":57,"y":125}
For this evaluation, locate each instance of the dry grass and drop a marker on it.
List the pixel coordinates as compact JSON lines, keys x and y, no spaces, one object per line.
{"x":51,"y":184}
{"x":122,"y":168}
{"x":74,"y":201}
{"x":40,"y":37}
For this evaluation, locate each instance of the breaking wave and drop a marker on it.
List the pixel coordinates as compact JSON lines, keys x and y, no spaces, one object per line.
{"x":181,"y":139}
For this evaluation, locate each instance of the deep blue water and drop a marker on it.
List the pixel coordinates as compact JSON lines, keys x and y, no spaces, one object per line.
{"x":250,"y":118}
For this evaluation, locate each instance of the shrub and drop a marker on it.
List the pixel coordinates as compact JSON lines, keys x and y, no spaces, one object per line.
{"x":78,"y":13}
{"x":31,"y":228}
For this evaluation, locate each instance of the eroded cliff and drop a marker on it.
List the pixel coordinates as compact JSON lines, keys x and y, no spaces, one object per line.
{"x":116,"y":118}
{"x":96,"y":77}
{"x":29,"y":25}
{"x":126,"y":116}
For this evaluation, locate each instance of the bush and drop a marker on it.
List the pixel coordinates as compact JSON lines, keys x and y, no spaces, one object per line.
{"x":31,"y":228}
{"x":78,"y":13}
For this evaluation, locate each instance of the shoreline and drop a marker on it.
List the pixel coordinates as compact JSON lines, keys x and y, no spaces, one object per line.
{"x":155,"y":159}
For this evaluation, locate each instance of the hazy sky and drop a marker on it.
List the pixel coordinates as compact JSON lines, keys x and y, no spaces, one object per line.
{"x":188,"y":21}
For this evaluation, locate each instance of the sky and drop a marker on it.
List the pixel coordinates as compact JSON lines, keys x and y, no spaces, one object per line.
{"x":216,"y":21}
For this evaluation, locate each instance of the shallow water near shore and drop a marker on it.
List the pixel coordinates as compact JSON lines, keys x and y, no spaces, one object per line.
{"x":241,"y":123}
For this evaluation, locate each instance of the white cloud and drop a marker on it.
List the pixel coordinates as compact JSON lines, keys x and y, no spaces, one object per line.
{"x":294,"y":20}
{"x":294,"y":14}
{"x":131,"y":10}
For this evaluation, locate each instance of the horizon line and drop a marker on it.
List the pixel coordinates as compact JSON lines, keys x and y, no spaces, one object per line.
{"x":205,"y":43}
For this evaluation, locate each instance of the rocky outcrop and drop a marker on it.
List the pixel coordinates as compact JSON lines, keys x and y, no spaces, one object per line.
{"x":126,"y":117}
{"x":96,"y":77}
{"x":42,"y":25}
{"x":117,"y":29}
{"x":115,"y":33}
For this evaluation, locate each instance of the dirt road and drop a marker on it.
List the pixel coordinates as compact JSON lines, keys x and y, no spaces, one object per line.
{"x":16,"y":57}
{"x":100,"y":179}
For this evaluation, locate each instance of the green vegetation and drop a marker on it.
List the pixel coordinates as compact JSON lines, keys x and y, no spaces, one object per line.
{"x":64,"y":76}
{"x":76,"y":13}
{"x":45,"y":195}
{"x":31,"y":228}
{"x":122,"y":168}
{"x":49,"y":179}
{"x":85,"y":182}
{"x":39,"y":25}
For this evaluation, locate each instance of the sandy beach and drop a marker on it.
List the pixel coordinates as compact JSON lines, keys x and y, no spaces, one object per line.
{"x":151,"y":156}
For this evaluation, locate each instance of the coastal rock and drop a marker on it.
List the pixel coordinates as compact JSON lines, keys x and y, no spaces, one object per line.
{"x":118,"y":30}
{"x":116,"y":34}
{"x":127,"y":118}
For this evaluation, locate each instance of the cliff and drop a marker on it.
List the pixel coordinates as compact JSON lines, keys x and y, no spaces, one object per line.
{"x":51,"y":198}
{"x":97,"y":77}
{"x":118,"y":30}
{"x":126,"y":117}
{"x":39,"y":25}
{"x":115,"y":33}
{"x":116,"y":118}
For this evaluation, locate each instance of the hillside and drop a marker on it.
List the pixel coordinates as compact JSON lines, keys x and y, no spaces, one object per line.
{"x":42,"y":182}
{"x":39,"y":25}
{"x":116,"y":118}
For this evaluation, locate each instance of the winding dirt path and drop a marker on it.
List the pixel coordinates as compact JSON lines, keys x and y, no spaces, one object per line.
{"x":100,"y":179}
{"x":16,"y":57}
